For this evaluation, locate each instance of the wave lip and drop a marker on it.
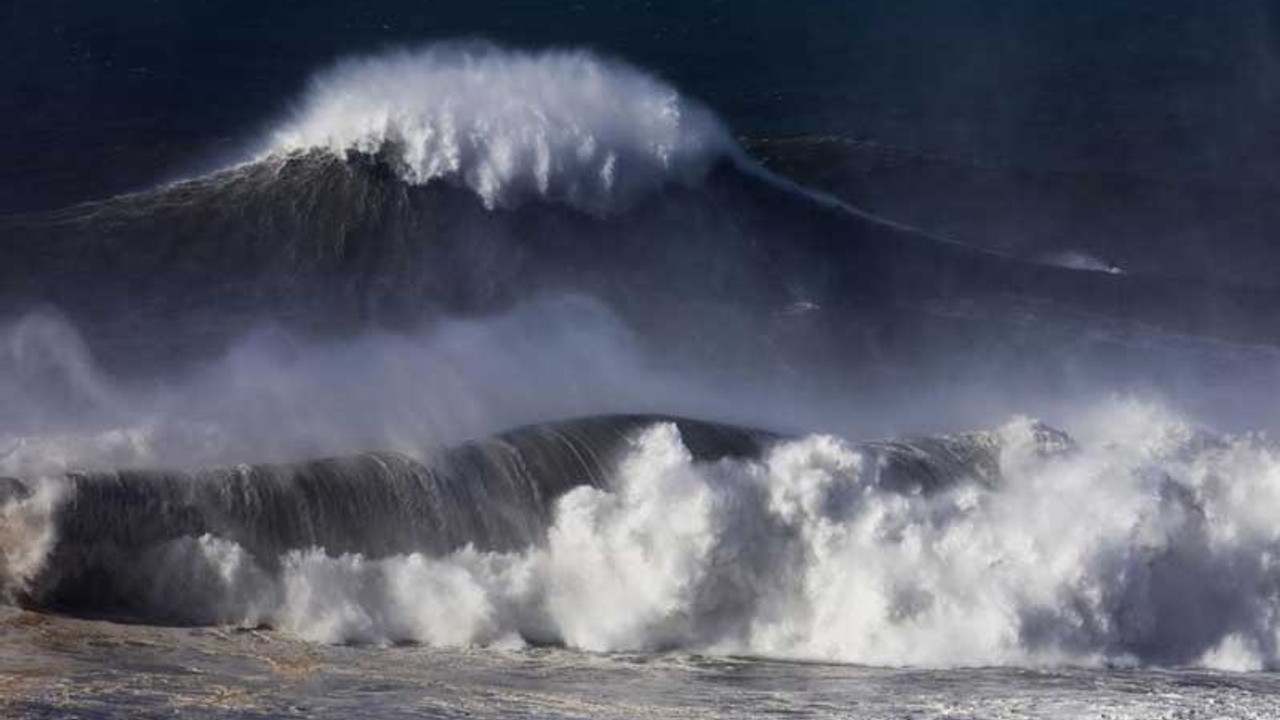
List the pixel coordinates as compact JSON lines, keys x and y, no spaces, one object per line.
{"x":562,"y":125}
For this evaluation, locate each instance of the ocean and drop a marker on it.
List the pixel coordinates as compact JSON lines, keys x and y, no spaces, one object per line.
{"x":530,"y":359}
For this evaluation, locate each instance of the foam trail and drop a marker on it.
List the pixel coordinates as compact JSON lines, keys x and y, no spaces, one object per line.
{"x":567,"y":126}
{"x":1076,"y":260}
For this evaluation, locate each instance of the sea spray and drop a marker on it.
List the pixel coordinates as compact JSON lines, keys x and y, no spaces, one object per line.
{"x":565,"y":126}
{"x":274,"y":396}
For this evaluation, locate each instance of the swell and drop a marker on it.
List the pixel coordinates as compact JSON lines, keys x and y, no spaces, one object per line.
{"x":405,"y":190}
{"x":330,"y":247}
{"x":463,"y":179}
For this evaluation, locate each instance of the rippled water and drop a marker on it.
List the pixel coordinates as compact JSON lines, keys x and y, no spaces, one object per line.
{"x":56,"y":667}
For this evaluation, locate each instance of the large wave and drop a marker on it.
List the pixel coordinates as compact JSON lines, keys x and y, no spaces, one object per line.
{"x":1141,"y":540}
{"x":565,"y":126}
{"x":420,"y":186}
{"x":1150,"y":543}
{"x":115,"y":533}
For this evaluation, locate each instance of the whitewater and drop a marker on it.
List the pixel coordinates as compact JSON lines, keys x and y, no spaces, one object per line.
{"x":1146,"y":541}
{"x":565,"y":126}
{"x":511,"y":369}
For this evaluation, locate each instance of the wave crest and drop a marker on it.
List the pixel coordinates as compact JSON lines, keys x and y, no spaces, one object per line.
{"x":566,"y":126}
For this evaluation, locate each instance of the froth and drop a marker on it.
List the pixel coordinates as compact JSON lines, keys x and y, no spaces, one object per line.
{"x":566,"y":126}
{"x":1148,"y":543}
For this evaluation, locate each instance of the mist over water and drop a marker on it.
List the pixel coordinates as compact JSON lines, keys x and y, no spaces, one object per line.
{"x":277,"y":397}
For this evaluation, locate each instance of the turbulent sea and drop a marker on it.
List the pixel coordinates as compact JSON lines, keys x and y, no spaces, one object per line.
{"x":495,"y":382}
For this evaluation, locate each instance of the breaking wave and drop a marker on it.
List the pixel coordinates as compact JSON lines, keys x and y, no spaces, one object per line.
{"x":1142,"y":540}
{"x":565,"y":126}
{"x":389,"y":202}
{"x":1157,"y":547}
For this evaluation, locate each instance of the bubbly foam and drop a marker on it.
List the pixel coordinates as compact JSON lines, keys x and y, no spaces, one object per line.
{"x":567,"y":126}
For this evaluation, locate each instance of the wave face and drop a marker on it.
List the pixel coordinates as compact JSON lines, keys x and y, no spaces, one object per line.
{"x":564,"y":126}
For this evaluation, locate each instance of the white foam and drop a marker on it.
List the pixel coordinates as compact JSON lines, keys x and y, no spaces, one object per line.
{"x":564,"y":125}
{"x":26,"y":537}
{"x":1160,"y":548}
